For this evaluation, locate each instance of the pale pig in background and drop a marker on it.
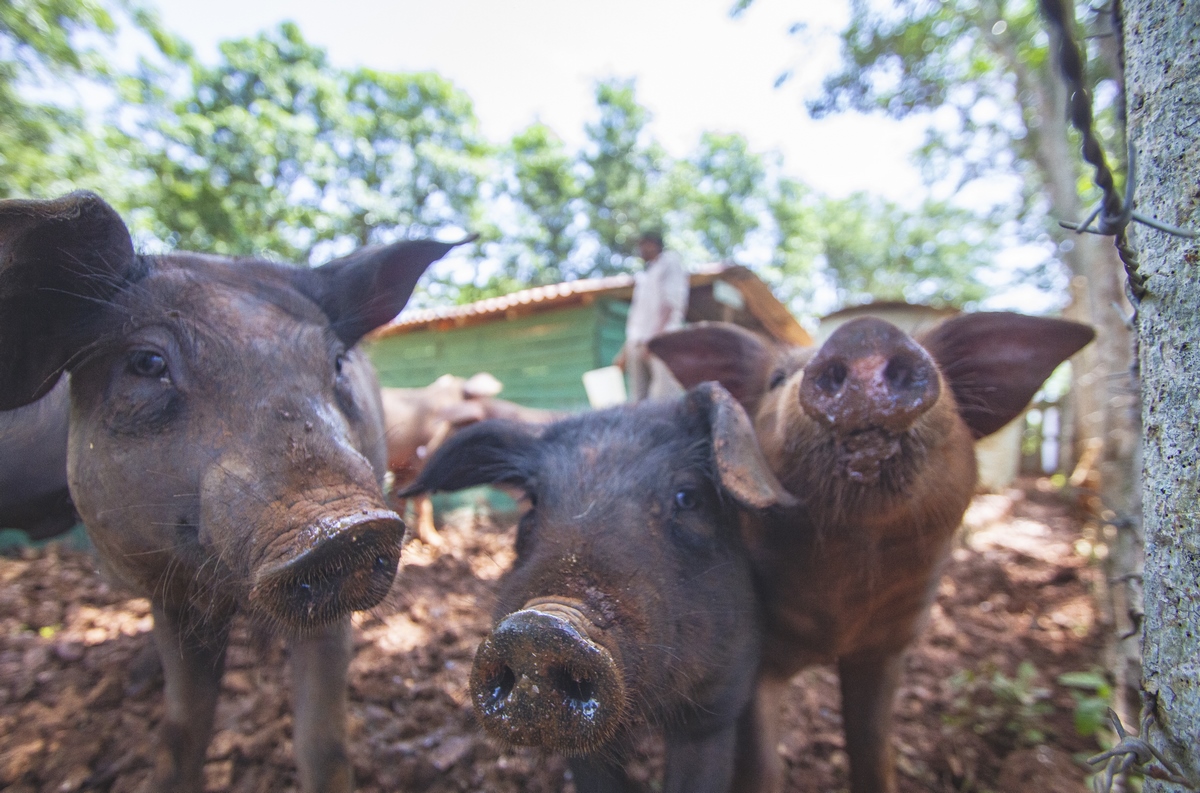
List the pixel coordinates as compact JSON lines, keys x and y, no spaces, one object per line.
{"x":419,"y":420}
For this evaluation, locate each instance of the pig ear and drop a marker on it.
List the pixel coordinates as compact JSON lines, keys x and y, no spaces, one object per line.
{"x":996,"y":362}
{"x":488,"y":453}
{"x":61,"y":261}
{"x":732,"y":356}
{"x":370,"y":287}
{"x":743,"y":470}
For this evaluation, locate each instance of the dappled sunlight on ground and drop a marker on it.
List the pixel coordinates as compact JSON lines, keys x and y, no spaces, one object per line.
{"x":980,"y":707}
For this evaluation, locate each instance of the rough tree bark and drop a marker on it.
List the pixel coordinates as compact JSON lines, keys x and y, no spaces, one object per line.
{"x":1162,"y":41}
{"x":1104,"y":394}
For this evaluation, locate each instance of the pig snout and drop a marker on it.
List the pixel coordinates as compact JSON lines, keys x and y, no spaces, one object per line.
{"x":344,"y":564}
{"x":869,"y":375}
{"x":540,"y":679}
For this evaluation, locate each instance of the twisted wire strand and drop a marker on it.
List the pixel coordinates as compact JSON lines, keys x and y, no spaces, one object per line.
{"x":1114,"y":213}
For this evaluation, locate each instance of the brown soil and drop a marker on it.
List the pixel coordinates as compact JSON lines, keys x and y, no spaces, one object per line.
{"x":74,"y":714}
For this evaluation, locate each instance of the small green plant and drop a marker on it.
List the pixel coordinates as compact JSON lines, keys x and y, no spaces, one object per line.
{"x":998,"y":707}
{"x":1092,"y":694}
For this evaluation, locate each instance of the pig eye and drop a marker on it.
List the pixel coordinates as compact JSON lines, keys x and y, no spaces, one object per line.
{"x":777,"y":379}
{"x":686,"y":499}
{"x":147,"y":363}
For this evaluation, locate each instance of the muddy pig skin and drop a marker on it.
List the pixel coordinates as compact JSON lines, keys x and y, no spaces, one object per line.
{"x":225,"y":448}
{"x":631,"y":599}
{"x":874,"y":431}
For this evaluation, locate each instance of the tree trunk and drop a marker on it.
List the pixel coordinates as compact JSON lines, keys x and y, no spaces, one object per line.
{"x":1104,"y":393}
{"x":1162,"y":42}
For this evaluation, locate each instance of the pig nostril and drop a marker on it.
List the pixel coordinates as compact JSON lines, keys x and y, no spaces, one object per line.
{"x":576,"y":687}
{"x":501,"y":685}
{"x":831,"y":379}
{"x":899,"y":374}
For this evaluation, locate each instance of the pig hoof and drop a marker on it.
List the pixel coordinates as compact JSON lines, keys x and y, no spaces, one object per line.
{"x":539,"y":680}
{"x":430,"y":537}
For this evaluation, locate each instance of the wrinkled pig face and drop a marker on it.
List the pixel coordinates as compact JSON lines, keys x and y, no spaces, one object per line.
{"x":631,"y":593}
{"x":225,"y":438}
{"x":864,"y":407}
{"x":858,"y":418}
{"x":219,"y":422}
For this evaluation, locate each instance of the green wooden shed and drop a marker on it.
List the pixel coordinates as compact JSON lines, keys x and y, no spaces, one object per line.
{"x":540,"y":341}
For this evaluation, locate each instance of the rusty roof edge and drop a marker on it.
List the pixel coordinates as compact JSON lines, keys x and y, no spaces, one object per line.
{"x":774,"y":315}
{"x":776,"y":318}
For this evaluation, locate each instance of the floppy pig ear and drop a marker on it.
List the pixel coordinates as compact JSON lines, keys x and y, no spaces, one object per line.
{"x":60,"y":262}
{"x":740,"y":463}
{"x":996,"y":362}
{"x":732,"y":356}
{"x":370,"y":287}
{"x":491,"y":452}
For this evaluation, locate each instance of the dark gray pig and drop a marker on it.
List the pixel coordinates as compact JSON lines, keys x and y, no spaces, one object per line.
{"x":33,"y":466}
{"x":631,"y":596}
{"x":225,"y":448}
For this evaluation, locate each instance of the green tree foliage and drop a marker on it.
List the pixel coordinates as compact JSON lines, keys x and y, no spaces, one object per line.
{"x":986,"y":68}
{"x":795,"y":215}
{"x":274,"y":152}
{"x":623,"y":167}
{"x":44,"y":142}
{"x":721,"y":192}
{"x":579,"y":213}
{"x":876,"y":250}
{"x":546,"y":186}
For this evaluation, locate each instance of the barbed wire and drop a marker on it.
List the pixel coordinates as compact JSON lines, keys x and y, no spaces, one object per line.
{"x":1114,"y":213}
{"x":1134,"y":751}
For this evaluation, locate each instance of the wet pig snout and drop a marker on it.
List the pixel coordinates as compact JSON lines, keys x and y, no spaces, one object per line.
{"x":869,"y":375}
{"x":350,"y":568}
{"x":539,"y":679}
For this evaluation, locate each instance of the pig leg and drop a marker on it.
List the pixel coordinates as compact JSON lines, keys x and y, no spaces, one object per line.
{"x":319,"y":665}
{"x":426,"y":530}
{"x":758,"y":768}
{"x":192,"y":667}
{"x":700,"y":764}
{"x":868,"y":687}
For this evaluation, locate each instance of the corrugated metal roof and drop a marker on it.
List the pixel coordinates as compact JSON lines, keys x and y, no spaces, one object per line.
{"x":537,"y":298}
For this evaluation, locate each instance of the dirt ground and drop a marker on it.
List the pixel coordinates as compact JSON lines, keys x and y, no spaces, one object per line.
{"x":981,"y":707}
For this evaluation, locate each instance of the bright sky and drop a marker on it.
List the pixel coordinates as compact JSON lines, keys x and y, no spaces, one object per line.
{"x":697,"y":69}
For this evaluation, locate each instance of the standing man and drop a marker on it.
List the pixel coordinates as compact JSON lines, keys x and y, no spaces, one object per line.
{"x":660,"y":297}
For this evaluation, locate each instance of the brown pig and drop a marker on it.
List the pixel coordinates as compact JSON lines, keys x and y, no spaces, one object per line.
{"x":631,"y":597}
{"x":874,"y":431}
{"x":418,"y":420}
{"x":225,"y":448}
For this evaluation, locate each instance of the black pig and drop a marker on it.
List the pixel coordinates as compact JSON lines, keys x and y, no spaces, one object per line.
{"x":631,"y":595}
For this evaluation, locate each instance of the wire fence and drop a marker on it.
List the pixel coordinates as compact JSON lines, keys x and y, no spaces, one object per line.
{"x":1115,"y":212}
{"x":1112,"y":218}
